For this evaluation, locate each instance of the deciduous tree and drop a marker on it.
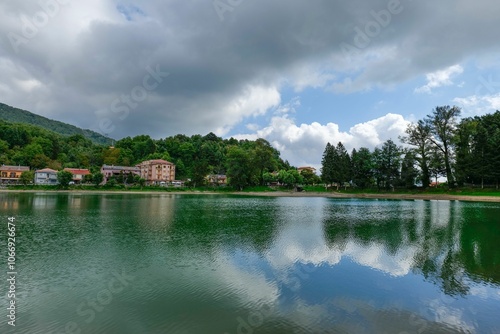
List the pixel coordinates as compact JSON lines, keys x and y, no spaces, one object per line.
{"x":27,"y":177}
{"x":443,"y":122}
{"x":418,"y":135}
{"x":64,"y":178}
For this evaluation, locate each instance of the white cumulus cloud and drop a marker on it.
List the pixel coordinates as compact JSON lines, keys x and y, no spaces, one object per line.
{"x":440,"y":78}
{"x":304,"y":144}
{"x":478,"y":104}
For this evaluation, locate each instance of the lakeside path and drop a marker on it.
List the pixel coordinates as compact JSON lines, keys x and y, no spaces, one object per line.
{"x":444,"y":197}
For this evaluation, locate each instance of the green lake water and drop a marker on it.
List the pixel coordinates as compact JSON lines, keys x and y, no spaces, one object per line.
{"x":163,"y":263}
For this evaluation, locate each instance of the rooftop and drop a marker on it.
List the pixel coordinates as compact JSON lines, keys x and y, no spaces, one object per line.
{"x":46,"y":170}
{"x":157,"y":161}
{"x":107,"y":167}
{"x":77,"y":171}
{"x":14,"y":168}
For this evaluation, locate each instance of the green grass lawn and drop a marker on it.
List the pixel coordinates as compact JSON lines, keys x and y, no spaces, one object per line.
{"x":228,"y":189}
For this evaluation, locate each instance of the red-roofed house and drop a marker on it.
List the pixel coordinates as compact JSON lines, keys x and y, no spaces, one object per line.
{"x":78,"y":174}
{"x":157,"y":172}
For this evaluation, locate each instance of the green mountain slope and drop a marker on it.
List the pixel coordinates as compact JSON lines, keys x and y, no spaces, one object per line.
{"x":16,"y":115}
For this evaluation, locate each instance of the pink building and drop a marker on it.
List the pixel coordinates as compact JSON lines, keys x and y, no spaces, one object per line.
{"x":109,"y":171}
{"x":157,"y":172}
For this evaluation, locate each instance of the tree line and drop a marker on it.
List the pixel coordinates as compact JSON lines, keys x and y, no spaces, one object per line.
{"x":465,"y":151}
{"x":245,"y":162}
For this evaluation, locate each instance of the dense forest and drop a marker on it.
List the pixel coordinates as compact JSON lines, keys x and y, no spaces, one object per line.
{"x":244,"y":162}
{"x":465,"y":151}
{"x":15,"y":115}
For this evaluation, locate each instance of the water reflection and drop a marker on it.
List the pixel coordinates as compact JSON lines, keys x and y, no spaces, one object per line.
{"x":440,"y":239}
{"x":218,"y":264}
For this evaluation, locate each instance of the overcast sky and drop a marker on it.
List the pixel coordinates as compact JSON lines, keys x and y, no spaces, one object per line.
{"x":298,"y":73}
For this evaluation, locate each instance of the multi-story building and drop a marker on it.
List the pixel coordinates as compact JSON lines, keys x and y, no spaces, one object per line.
{"x":109,"y":171}
{"x":78,"y":174}
{"x":311,"y":169}
{"x":157,"y":172}
{"x":11,"y":174}
{"x":46,"y":176}
{"x":216,"y":179}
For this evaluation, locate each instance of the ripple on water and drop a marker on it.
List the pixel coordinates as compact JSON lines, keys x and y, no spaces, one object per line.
{"x":202,"y":263}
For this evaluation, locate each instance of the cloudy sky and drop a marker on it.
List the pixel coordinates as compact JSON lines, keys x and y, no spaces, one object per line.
{"x":298,"y":73}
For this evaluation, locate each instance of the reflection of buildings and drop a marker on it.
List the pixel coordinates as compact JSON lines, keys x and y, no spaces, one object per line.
{"x":75,"y":202}
{"x":44,"y":202}
{"x":156,"y":212}
{"x":9,"y":204}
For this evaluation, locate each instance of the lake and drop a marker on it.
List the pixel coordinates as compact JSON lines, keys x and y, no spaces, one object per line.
{"x":164,"y":263}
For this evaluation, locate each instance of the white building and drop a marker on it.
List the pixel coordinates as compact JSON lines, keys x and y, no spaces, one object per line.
{"x":46,"y":176}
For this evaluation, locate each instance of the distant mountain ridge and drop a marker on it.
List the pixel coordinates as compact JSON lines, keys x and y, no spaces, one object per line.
{"x":15,"y":115}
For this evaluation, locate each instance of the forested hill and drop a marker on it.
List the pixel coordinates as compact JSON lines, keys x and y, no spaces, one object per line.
{"x":15,"y":115}
{"x":244,"y":162}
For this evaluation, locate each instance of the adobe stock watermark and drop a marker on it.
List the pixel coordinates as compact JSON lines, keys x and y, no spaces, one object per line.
{"x":223,"y":6}
{"x":122,"y":105}
{"x":420,"y":323}
{"x":89,"y":309}
{"x":372,"y":29}
{"x":255,"y":319}
{"x":489,"y":84}
{"x":30,"y":27}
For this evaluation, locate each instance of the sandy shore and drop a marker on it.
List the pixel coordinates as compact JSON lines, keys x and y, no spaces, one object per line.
{"x":283,"y":194}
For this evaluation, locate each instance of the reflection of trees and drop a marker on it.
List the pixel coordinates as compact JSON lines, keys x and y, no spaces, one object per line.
{"x":456,"y":242}
{"x":479,"y":240}
{"x":211,"y":222}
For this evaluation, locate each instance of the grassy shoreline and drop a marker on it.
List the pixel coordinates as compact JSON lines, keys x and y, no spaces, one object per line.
{"x":457,"y":195}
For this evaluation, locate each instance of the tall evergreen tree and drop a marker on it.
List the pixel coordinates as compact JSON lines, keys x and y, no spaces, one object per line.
{"x":342,"y":165}
{"x":409,"y":172}
{"x":362,"y":167}
{"x":387,"y":164}
{"x":328,"y":165}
